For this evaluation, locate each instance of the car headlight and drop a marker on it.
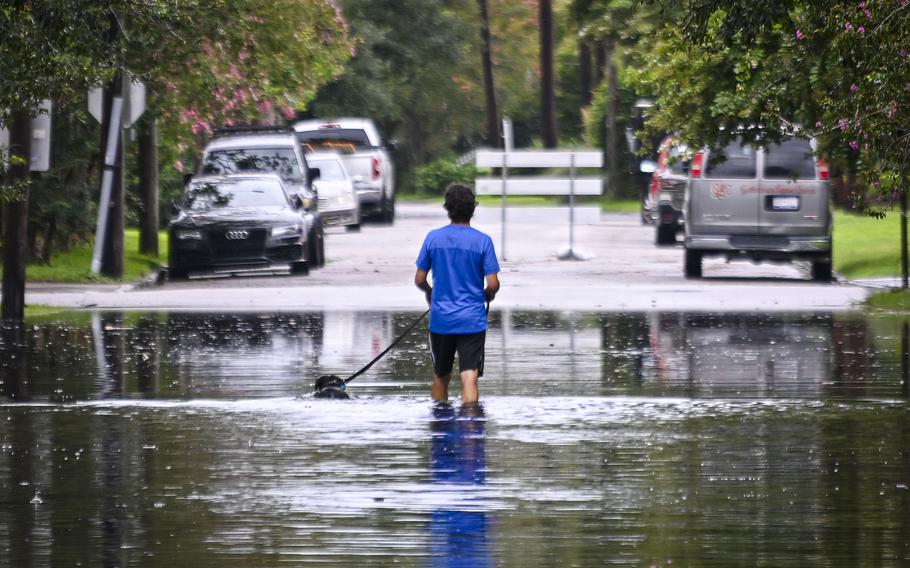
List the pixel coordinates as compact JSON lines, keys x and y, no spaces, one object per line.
{"x":287,"y":231}
{"x":189,"y":235}
{"x":308,"y":202}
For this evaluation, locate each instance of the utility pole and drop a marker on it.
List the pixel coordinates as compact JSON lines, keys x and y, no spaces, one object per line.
{"x":148,"y":185}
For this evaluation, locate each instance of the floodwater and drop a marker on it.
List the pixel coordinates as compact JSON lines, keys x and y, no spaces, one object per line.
{"x":644,"y":439}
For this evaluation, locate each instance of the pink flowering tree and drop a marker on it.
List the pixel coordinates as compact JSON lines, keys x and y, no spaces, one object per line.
{"x":261,"y":63}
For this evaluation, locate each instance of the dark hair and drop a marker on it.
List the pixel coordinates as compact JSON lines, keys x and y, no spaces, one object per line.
{"x":460,"y":202}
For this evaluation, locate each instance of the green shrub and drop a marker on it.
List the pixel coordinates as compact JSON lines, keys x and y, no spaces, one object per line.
{"x":433,"y":178}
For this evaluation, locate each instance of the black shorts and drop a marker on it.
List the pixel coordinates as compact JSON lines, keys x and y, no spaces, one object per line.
{"x":468,"y":345}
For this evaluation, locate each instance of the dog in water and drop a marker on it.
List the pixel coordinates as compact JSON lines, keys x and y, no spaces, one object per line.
{"x":330,"y":386}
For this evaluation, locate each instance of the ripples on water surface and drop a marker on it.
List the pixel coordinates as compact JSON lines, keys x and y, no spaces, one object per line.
{"x":630,"y":439}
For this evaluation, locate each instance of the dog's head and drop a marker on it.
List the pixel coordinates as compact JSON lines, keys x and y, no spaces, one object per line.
{"x":326,"y":381}
{"x":330,"y":386}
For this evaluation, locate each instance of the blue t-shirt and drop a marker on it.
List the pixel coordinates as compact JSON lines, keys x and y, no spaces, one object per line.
{"x":459,"y":256}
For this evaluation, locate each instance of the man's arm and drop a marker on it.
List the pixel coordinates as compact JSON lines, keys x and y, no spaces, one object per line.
{"x":420,"y":280}
{"x":492,"y":286}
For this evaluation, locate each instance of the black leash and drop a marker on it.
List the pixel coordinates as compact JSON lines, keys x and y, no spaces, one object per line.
{"x":387,"y":349}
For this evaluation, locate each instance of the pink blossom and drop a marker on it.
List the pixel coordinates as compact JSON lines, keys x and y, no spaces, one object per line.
{"x":800,"y":35}
{"x":876,"y":184}
{"x":178,"y":165}
{"x":818,"y":124}
{"x":288,"y":112}
{"x":862,"y":4}
{"x":861,"y":29}
{"x":853,"y":88}
{"x":902,"y":53}
{"x":842,"y":123}
{"x":265,"y":106}
{"x":854,"y":145}
{"x":199,"y":126}
{"x":848,"y":26}
{"x":868,"y":13}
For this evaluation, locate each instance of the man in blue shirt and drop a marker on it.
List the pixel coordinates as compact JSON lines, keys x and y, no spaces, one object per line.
{"x":462,"y":259}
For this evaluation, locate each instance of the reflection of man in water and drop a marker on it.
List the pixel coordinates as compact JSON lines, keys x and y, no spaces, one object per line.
{"x":459,"y":538}
{"x":462,"y":260}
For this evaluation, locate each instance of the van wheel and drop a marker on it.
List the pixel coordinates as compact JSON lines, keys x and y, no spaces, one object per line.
{"x":821,"y":271}
{"x":693,"y":264}
{"x":665,"y":235}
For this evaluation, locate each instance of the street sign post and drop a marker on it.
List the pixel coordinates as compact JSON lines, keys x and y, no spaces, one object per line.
{"x":126,"y":109}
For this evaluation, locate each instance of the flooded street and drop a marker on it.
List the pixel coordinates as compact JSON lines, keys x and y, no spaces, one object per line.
{"x":639,"y":439}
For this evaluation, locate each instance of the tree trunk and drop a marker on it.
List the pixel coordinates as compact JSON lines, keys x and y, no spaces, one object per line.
{"x":584,"y":72}
{"x":15,"y":223}
{"x":494,"y":138}
{"x":148,"y":185}
{"x":112,"y":254}
{"x":547,"y":75}
{"x":600,"y":62}
{"x":612,"y":134}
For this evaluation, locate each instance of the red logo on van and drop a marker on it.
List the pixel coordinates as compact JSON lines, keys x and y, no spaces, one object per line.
{"x":720,"y":190}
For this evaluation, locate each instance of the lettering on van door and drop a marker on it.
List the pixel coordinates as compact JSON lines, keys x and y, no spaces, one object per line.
{"x":720,"y":190}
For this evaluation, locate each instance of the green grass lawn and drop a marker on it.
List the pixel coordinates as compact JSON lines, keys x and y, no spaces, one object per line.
{"x":75,"y":265}
{"x":866,"y":247}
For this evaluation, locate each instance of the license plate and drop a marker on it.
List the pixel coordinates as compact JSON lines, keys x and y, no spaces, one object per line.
{"x":785,"y":203}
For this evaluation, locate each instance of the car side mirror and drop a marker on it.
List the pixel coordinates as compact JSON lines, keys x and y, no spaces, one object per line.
{"x":315,"y":174}
{"x":187,"y":178}
{"x":647,"y":166}
{"x":392,"y":145}
{"x":297,"y":201}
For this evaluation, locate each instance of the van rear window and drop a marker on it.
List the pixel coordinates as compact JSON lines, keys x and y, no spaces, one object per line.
{"x":792,"y":159}
{"x":735,"y":162}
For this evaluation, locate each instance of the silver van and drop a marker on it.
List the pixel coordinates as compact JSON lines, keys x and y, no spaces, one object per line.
{"x":762,"y":204}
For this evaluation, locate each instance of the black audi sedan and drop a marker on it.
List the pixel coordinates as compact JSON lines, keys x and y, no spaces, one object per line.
{"x":237,"y":223}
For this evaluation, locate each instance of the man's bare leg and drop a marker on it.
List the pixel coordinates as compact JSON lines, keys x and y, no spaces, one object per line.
{"x":469,"y":386}
{"x":440,"y":389}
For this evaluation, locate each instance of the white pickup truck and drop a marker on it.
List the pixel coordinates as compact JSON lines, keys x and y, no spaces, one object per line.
{"x":365,"y":157}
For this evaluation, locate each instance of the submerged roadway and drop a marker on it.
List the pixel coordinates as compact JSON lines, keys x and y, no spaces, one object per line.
{"x":374,"y":269}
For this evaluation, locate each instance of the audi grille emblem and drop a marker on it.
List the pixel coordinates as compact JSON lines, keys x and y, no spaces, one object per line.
{"x":236,"y":235}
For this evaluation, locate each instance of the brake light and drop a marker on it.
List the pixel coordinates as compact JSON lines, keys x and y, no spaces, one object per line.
{"x":697,"y":160}
{"x":329,"y":125}
{"x":822,"y":169}
{"x":376,"y":172}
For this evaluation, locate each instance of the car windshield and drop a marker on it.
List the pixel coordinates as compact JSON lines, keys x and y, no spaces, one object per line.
{"x":329,"y":169}
{"x":792,"y":159}
{"x":678,"y":158}
{"x":282,"y":161}
{"x":338,"y":139}
{"x":204,"y":196}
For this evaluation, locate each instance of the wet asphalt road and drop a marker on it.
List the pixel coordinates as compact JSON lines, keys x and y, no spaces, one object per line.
{"x":373,"y":269}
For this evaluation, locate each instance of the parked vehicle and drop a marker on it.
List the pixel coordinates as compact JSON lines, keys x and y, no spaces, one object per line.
{"x":237,"y":223}
{"x":365,"y":158}
{"x":270,"y":149}
{"x":668,"y":189}
{"x":338,"y":204}
{"x":761,"y":204}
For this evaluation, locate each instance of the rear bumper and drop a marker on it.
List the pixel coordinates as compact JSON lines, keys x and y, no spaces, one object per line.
{"x":339,"y":217}
{"x":766,"y":246}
